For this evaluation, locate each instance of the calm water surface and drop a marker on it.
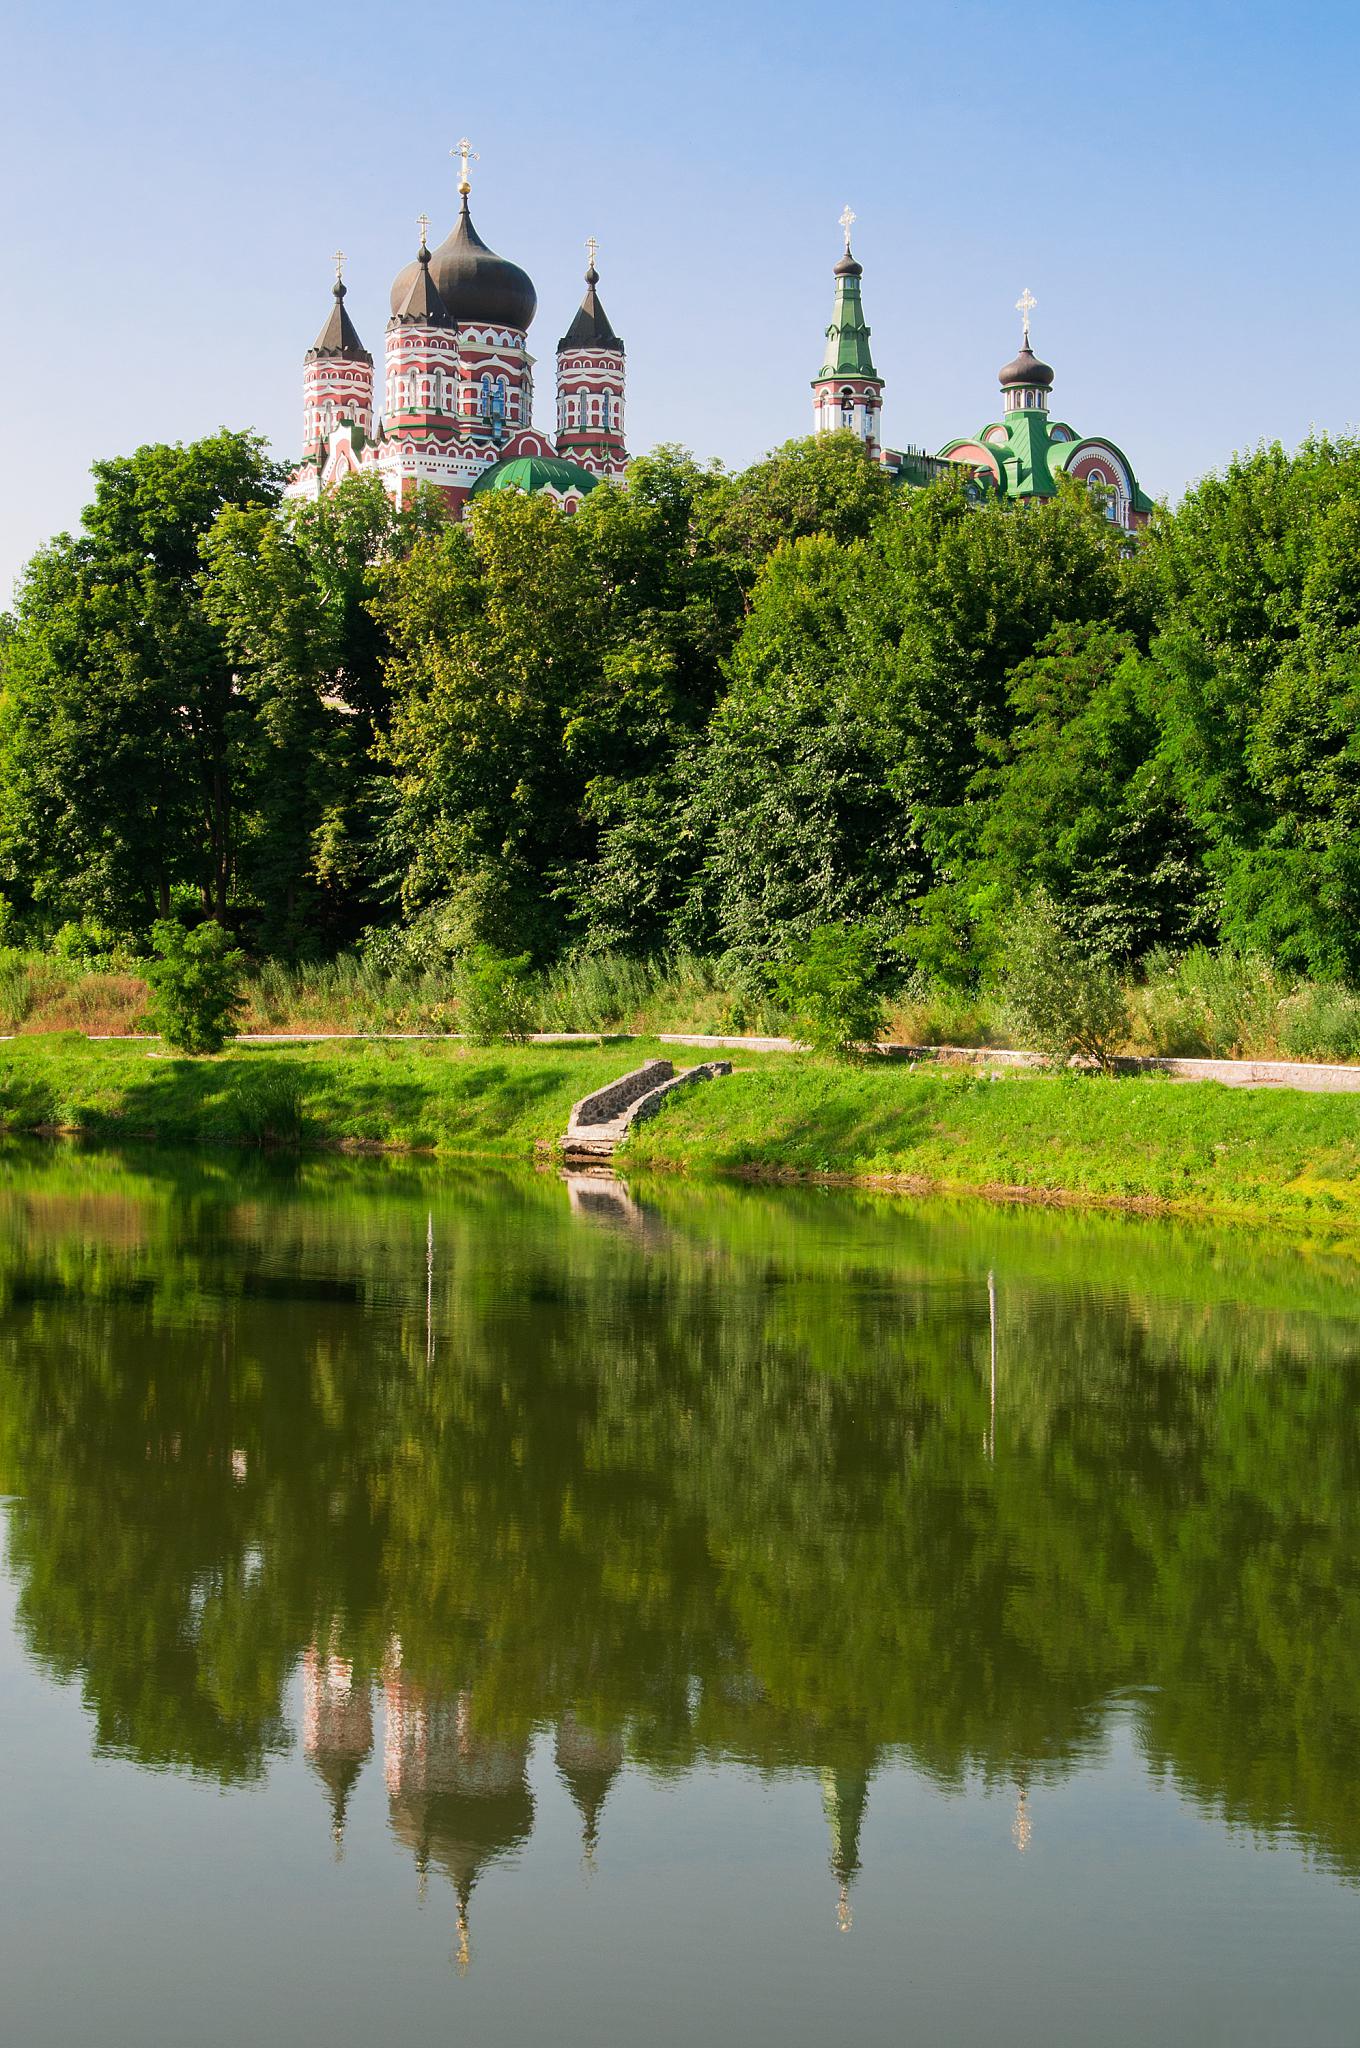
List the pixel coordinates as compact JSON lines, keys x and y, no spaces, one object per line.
{"x":505,"y":1610}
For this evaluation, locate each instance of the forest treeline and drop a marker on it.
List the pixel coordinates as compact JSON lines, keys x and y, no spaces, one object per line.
{"x":712,"y":711}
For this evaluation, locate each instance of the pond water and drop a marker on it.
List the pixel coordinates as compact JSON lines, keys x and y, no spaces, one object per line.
{"x":506,"y":1609}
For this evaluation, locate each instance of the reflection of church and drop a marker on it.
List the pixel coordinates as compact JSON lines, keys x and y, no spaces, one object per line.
{"x":459,"y":1798}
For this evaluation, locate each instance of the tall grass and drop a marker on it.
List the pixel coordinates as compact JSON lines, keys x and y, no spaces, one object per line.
{"x":1200,"y":1004}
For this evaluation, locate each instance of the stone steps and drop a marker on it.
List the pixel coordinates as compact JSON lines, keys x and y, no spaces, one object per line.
{"x":600,"y":1122}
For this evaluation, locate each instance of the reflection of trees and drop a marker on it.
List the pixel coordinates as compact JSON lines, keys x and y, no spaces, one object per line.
{"x":722,"y":1485}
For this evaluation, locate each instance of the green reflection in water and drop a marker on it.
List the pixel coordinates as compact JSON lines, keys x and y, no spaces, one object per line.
{"x":799,"y":1479}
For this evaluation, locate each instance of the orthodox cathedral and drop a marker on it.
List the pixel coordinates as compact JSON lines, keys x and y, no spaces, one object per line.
{"x":458,"y":393}
{"x":458,"y":383}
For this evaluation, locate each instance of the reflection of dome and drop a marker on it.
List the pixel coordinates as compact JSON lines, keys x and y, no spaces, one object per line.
{"x":337,"y":1729}
{"x":1025,"y":369}
{"x":589,"y":1764}
{"x":535,"y":473}
{"x":478,"y":286}
{"x":844,"y":1796}
{"x":458,"y":1800}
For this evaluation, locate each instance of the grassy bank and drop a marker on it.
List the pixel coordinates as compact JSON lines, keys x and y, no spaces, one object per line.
{"x":1195,"y":1148}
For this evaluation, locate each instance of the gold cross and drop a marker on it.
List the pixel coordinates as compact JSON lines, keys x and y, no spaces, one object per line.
{"x":468,"y":155}
{"x":1024,"y":306}
{"x":423,"y":223}
{"x":847,"y":221}
{"x":339,"y":266}
{"x":592,"y":249}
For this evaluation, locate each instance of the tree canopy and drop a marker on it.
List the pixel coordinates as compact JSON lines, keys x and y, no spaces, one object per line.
{"x":711,"y":709}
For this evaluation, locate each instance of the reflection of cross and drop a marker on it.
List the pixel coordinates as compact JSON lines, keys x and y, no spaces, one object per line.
{"x":339,"y":266}
{"x":423,"y":223}
{"x":468,"y":154}
{"x":1024,"y":306}
{"x":847,"y":221}
{"x":592,"y":250}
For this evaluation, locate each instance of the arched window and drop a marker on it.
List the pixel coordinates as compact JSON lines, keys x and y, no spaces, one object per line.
{"x":847,"y":407}
{"x":604,"y":412}
{"x":486,"y":397}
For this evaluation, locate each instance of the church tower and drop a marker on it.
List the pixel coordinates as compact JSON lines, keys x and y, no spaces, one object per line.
{"x":337,"y":377}
{"x":590,"y":369}
{"x":421,"y":394}
{"x":847,"y":392}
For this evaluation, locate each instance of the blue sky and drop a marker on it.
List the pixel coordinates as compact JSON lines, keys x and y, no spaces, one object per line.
{"x":1175,"y":183}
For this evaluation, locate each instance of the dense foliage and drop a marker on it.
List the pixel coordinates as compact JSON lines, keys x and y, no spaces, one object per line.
{"x":709,"y":711}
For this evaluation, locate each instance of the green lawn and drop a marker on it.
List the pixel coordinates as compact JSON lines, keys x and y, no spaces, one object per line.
{"x":1195,"y":1146}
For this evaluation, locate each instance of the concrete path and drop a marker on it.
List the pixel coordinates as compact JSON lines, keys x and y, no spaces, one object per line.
{"x":1315,"y":1077}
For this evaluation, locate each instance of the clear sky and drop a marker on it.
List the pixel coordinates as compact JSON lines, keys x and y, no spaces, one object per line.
{"x":1176,"y":183}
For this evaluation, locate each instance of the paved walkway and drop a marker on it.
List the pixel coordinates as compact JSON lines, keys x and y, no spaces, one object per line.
{"x":1313,"y":1077}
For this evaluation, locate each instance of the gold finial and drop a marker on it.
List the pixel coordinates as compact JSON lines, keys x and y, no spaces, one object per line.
{"x":423,"y":223}
{"x":1024,"y":306}
{"x":592,"y":251}
{"x":467,"y":154}
{"x":847,"y":221}
{"x":339,"y":266}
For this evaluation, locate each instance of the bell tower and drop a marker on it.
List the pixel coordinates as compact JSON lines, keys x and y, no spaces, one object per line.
{"x":590,"y":371}
{"x":337,"y":377}
{"x":847,"y":392}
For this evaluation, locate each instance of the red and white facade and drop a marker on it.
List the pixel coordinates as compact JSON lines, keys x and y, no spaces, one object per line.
{"x":458,"y":382}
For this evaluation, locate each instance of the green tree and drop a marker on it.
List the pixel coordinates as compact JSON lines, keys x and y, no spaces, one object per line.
{"x":1078,"y":800}
{"x":793,"y":795}
{"x":291,"y":593}
{"x":497,"y":629}
{"x":124,"y":745}
{"x":195,"y":983}
{"x":826,"y":484}
{"x":1257,"y":581}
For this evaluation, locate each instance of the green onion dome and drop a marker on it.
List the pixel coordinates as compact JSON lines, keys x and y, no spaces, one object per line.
{"x":535,"y":473}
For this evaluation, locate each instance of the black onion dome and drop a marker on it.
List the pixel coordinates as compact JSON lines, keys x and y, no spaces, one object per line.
{"x":478,"y":287}
{"x":339,"y":337}
{"x":848,"y":267}
{"x":1027,"y":370}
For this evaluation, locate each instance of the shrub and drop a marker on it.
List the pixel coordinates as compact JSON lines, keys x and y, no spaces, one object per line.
{"x":86,"y":943}
{"x":1057,"y":998}
{"x":829,"y":986}
{"x":16,"y":988}
{"x":1321,"y":1022}
{"x":495,"y":994}
{"x":195,"y":983}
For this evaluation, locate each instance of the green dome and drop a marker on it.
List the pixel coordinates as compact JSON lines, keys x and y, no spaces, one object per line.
{"x":535,"y":473}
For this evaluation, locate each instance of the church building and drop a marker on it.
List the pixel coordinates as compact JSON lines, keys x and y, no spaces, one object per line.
{"x":457,"y":394}
{"x":458,"y":383}
{"x":1019,"y":456}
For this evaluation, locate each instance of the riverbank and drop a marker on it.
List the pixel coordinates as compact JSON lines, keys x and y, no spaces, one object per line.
{"x":1196,"y":1148}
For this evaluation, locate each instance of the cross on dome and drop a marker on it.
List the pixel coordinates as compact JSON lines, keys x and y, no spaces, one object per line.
{"x":467,"y":154}
{"x":339,"y":266}
{"x":592,"y":250}
{"x":1024,"y":306}
{"x":847,"y":221}
{"x":423,"y":223}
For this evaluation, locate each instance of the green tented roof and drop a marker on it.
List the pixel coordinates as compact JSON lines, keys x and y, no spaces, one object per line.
{"x":535,"y":473}
{"x":847,"y":338}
